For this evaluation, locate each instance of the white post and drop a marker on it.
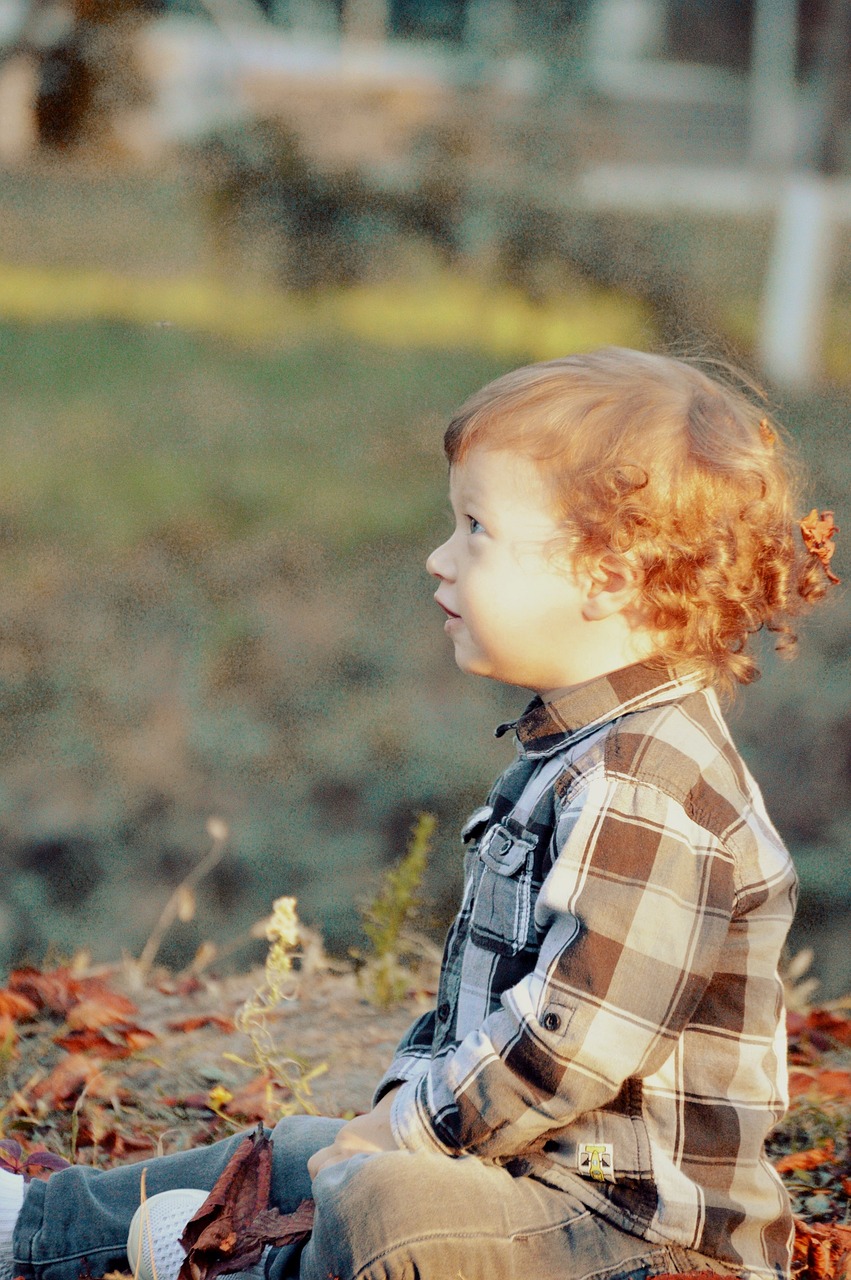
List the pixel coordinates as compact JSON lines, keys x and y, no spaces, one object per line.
{"x":798,"y":283}
{"x":772,"y":83}
{"x":18,"y":89}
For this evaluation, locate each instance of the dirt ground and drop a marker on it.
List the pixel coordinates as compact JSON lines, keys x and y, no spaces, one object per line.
{"x":104,"y":1066}
{"x":328,"y":1021}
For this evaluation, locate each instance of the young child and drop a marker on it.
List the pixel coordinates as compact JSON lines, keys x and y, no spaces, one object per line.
{"x":591,"y":1095}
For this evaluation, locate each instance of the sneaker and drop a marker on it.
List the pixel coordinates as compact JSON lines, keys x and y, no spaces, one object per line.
{"x":12,"y":1189}
{"x":153,"y":1244}
{"x":154,"y":1250}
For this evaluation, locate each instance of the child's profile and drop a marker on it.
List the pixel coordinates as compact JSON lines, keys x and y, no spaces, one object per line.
{"x":591,"y":1094}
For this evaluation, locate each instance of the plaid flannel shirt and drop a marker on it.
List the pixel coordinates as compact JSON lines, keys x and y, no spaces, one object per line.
{"x":609,"y":1016}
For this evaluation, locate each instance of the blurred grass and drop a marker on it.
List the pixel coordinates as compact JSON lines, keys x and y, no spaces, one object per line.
{"x":215,"y":602}
{"x":443,"y":310}
{"x":215,"y":505}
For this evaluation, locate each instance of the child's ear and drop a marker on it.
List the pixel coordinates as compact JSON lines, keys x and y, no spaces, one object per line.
{"x":612,"y":586}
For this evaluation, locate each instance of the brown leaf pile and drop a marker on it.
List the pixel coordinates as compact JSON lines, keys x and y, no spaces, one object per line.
{"x":822,"y":1252}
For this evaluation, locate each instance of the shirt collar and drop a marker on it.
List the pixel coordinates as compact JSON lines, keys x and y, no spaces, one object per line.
{"x":547,"y":727}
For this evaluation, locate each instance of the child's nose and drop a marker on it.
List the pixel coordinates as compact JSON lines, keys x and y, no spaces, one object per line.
{"x":438,"y":563}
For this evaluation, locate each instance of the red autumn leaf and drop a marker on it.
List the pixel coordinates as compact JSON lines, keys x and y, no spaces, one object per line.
{"x":821,"y":1259}
{"x":800,"y":1082}
{"x":835,"y":1024}
{"x":14,"y":1004}
{"x":817,"y":530}
{"x":821,"y":1251}
{"x":800,"y":1160}
{"x":57,"y":992}
{"x":234,"y":1224}
{"x":12,"y":1155}
{"x":120,"y":1143}
{"x":795,"y":1022}
{"x":96,"y":1127}
{"x":101,"y":1010}
{"x":66,"y":1081}
{"x":37,"y":1163}
{"x":186,"y":985}
{"x":108,"y":1042}
{"x":203,"y":1020}
{"x":41,"y":1164}
{"x":834,"y":1084}
{"x":256,"y":1099}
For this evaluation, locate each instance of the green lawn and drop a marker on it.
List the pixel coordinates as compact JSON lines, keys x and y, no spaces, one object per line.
{"x":215,"y":602}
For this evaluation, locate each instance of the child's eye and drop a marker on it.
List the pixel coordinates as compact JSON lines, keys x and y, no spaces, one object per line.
{"x":475,"y":525}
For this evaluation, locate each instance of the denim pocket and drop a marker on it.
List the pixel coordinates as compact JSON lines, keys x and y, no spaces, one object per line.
{"x":501,"y":918}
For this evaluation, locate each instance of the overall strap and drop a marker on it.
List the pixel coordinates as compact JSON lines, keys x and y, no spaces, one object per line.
{"x":535,"y":788}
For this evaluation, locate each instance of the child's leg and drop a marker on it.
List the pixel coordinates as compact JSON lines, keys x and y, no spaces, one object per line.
{"x":83,"y":1213}
{"x":401,"y":1215}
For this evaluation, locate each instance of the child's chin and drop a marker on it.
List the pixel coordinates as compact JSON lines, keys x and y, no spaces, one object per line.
{"x":472,"y":665}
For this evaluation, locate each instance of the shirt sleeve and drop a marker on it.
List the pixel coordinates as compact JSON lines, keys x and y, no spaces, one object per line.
{"x":412,"y":1057}
{"x":632,"y":918}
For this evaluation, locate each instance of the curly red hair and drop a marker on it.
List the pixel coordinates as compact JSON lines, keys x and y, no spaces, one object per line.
{"x":676,"y":469}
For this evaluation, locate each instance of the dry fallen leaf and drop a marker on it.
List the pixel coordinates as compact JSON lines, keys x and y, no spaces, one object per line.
{"x":821,"y":1252}
{"x":14,"y":1004}
{"x":109,"y":1042}
{"x":691,"y":1275}
{"x":836,"y":1084}
{"x":801,"y":1082}
{"x":234,"y":1224}
{"x":203,"y":1020}
{"x":835,"y":1024}
{"x":257,"y":1099}
{"x":101,"y":1011}
{"x":802,"y":1160}
{"x":57,"y":991}
{"x":63,"y":1086}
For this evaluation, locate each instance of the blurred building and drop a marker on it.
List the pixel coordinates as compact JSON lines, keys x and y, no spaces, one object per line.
{"x":725,"y":106}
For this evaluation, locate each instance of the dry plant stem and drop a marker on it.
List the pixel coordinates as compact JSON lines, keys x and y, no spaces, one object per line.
{"x":278,"y":984}
{"x":143,"y":1199}
{"x":171,"y":910}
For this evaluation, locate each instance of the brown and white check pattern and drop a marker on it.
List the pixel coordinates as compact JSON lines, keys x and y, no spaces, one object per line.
{"x":609,"y":1016}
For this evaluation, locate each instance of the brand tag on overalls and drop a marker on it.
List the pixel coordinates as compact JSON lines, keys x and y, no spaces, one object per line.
{"x":596,"y":1160}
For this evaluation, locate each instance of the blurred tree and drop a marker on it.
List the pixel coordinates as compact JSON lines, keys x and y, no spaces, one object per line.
{"x":86,"y":71}
{"x":429,"y":19}
{"x":826,"y":146}
{"x":710,"y":31}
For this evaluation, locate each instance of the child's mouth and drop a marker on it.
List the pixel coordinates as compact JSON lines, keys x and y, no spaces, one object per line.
{"x":451,"y":616}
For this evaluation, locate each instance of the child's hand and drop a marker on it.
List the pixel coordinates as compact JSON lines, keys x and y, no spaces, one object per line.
{"x":367,"y":1133}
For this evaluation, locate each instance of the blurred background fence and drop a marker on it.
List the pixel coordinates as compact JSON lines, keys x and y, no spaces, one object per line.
{"x":251,"y":255}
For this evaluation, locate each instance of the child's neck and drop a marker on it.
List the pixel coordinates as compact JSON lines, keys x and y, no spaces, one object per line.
{"x":606,"y":646}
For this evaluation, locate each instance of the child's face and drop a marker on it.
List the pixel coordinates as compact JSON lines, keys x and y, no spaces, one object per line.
{"x":514,"y":609}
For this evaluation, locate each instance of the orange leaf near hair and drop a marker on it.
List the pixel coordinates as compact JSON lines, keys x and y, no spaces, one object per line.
{"x":817,"y":532}
{"x":803,"y":1160}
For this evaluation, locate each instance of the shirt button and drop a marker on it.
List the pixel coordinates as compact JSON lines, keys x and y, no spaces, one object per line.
{"x":444,"y":1011}
{"x":551,"y":1021}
